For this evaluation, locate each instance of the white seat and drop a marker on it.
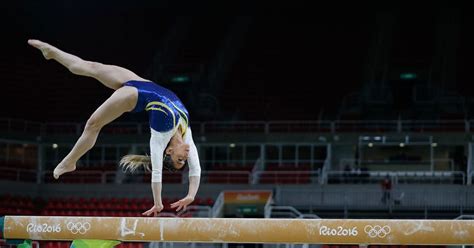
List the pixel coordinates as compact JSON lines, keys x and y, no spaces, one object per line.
{"x":401,"y":173}
{"x":447,"y":173}
{"x":438,"y":173}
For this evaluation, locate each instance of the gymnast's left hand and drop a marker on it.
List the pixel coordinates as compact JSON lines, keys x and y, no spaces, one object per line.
{"x":183,"y":203}
{"x":154,"y":210}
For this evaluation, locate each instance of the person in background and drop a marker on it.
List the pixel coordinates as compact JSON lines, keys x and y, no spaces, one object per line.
{"x":386,"y":189}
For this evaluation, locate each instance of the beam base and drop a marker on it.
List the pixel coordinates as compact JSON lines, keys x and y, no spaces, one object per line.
{"x":94,"y":243}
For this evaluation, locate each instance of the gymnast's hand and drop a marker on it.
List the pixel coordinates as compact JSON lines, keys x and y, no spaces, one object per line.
{"x":154,"y":210}
{"x":183,"y":203}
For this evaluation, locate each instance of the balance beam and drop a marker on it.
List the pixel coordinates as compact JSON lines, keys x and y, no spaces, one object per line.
{"x":236,"y":230}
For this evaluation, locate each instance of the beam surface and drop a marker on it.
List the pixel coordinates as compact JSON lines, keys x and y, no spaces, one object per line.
{"x":237,"y":230}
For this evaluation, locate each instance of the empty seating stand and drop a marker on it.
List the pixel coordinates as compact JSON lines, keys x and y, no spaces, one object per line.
{"x":286,"y":174}
{"x":120,"y":207}
{"x":228,"y":174}
{"x":16,"y":205}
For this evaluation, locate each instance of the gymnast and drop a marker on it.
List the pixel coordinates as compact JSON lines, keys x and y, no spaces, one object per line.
{"x":171,"y":142}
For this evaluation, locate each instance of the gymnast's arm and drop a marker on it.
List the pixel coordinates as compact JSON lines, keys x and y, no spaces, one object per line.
{"x":156,"y":188}
{"x":194,"y":174}
{"x":194,"y":165}
{"x":157,"y":147}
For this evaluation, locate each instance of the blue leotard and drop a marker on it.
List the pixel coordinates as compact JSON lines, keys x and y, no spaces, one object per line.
{"x":164,"y":107}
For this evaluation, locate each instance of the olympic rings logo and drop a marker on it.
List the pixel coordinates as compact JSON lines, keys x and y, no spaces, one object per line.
{"x":78,"y":227}
{"x":377,"y":231}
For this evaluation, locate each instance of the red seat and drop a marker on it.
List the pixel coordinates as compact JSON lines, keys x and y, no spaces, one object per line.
{"x":64,"y":244}
{"x":210,"y":201}
{"x":50,"y":244}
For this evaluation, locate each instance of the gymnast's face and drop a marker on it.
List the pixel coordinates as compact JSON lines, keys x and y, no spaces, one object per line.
{"x":179,"y":154}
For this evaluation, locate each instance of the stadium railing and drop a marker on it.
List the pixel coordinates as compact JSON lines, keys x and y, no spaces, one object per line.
{"x":396,"y":126}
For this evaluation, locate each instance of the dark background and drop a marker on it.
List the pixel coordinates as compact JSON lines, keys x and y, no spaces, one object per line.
{"x":296,"y":60}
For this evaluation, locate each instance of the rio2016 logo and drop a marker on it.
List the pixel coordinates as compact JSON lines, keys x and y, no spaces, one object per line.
{"x":338,"y":231}
{"x":43,"y":228}
{"x":377,"y":231}
{"x":78,"y":227}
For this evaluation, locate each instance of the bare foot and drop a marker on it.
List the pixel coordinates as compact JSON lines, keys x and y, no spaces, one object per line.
{"x":45,"y":48}
{"x":62,"y":168}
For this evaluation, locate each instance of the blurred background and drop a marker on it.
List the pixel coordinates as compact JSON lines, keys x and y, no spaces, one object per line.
{"x":357,"y":110}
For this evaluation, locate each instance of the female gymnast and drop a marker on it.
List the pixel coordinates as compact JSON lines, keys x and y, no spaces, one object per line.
{"x":171,"y":142}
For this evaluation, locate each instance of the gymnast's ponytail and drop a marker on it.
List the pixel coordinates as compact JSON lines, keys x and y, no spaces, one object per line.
{"x":133,"y":162}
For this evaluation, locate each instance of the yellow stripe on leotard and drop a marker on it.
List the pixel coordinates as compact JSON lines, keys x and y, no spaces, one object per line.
{"x":149,"y":106}
{"x":182,"y":114}
{"x":159,"y":109}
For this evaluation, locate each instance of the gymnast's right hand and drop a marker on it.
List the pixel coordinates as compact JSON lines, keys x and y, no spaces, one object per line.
{"x":154,"y":210}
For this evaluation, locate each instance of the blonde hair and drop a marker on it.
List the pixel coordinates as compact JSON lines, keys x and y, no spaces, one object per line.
{"x":132,"y":162}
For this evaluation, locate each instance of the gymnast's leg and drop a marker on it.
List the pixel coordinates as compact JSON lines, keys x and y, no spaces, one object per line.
{"x":111,"y":76}
{"x":122,"y":100}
